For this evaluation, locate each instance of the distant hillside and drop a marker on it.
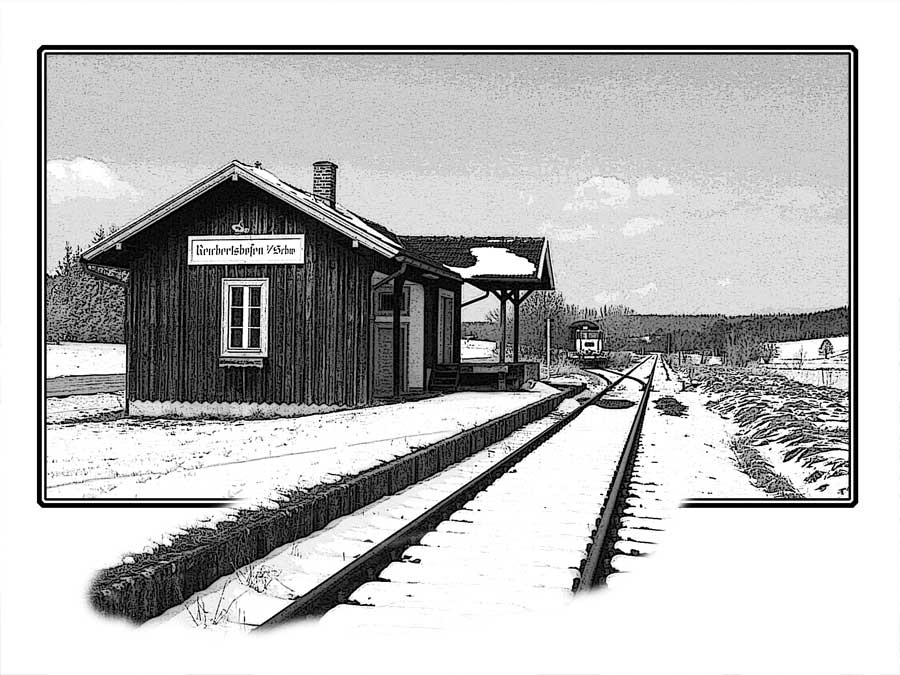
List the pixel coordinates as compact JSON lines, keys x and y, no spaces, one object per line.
{"x":738,"y":338}
{"x":714,"y":331}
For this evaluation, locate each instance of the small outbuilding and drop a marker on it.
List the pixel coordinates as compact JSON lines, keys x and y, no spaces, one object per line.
{"x":248,"y":296}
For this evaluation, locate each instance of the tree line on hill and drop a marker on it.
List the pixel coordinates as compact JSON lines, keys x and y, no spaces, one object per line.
{"x":737,"y":339}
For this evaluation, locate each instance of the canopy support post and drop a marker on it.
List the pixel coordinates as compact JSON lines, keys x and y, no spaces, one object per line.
{"x":397,"y":342}
{"x":516,"y":302}
{"x":502,"y":296}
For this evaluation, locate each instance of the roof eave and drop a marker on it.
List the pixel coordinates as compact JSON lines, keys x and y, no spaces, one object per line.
{"x":534,"y":283}
{"x":159,"y":211}
{"x":428,"y":267}
{"x":546,"y":266}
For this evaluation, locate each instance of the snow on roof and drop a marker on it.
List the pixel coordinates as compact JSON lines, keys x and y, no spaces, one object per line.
{"x":495,"y":262}
{"x":524,"y":258}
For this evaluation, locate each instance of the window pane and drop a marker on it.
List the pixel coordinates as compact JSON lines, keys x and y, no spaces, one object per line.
{"x":254,"y":318}
{"x":235,"y":341}
{"x":254,"y":338}
{"x":237,"y":296}
{"x":237,"y":317}
{"x":254,"y":296}
{"x":385,"y":303}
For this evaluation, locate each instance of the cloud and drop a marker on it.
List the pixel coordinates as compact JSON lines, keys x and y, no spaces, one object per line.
{"x":724,"y":282}
{"x":576,"y":233}
{"x":607,"y":297}
{"x":651,"y":186}
{"x":640,"y":225}
{"x":599,"y":191}
{"x":646,"y":290}
{"x":84,"y":177}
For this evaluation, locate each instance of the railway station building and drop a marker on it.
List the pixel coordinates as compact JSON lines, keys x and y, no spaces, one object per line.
{"x":247,"y":296}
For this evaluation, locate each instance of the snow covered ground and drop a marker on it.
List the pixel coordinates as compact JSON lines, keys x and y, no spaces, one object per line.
{"x":252,"y":460}
{"x":85,"y":358}
{"x":684,"y":453}
{"x":543,"y":511}
{"x":240,"y":601}
{"x":516,"y":546}
{"x":77,"y":408}
{"x":693,"y":449}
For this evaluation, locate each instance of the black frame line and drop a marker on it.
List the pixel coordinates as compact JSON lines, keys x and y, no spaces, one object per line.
{"x":435,"y":50}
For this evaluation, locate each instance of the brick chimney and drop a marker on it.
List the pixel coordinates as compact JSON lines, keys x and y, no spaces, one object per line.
{"x":325,"y":181}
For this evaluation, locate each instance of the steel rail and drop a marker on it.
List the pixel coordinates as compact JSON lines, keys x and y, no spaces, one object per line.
{"x":626,"y":375}
{"x":339,"y":586}
{"x":591,"y":572}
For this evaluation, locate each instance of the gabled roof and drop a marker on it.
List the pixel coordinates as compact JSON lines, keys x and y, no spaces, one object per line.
{"x":373,"y":236}
{"x":520,"y":261}
{"x":523,"y":261}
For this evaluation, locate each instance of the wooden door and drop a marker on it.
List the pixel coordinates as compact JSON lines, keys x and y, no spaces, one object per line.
{"x":445,"y":339}
{"x":384,"y":362}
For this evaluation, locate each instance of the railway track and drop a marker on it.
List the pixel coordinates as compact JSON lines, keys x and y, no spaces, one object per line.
{"x":657,"y":484}
{"x":535,"y":508}
{"x":542,"y":515}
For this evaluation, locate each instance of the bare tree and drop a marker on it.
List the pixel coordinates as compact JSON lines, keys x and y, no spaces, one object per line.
{"x":826,"y":349}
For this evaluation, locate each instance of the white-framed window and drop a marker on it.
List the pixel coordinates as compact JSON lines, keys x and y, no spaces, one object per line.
{"x":384,"y":301}
{"x":245,"y":317}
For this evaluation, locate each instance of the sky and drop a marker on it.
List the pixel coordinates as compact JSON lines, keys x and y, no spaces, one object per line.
{"x":669,"y":183}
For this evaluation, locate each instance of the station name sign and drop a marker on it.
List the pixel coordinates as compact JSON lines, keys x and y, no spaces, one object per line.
{"x":262,"y":249}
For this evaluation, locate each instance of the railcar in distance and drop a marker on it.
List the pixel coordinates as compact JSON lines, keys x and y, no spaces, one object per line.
{"x":585,"y":345}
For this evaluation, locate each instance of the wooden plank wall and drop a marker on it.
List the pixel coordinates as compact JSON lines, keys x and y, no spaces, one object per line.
{"x":318,"y":311}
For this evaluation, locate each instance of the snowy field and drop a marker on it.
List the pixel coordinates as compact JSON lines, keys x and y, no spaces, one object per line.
{"x":837,"y":378}
{"x":790,"y":353}
{"x":252,"y":459}
{"x":85,"y":358}
{"x":801,"y":361}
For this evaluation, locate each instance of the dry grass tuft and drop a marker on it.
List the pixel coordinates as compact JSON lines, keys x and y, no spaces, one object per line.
{"x":761,"y":473}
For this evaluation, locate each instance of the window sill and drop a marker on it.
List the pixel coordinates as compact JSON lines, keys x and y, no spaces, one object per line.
{"x":240,"y":362}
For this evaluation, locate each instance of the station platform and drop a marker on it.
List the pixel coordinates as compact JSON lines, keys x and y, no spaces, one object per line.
{"x":484,"y":376}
